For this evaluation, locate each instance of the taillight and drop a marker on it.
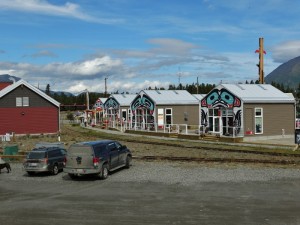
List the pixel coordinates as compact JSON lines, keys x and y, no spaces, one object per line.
{"x":45,"y":160}
{"x":96,"y":161}
{"x":65,"y":161}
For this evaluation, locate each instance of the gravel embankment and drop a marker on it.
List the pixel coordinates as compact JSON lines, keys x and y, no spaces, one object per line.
{"x":170,"y":173}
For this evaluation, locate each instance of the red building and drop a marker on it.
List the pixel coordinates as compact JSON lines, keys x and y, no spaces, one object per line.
{"x":24,"y":109}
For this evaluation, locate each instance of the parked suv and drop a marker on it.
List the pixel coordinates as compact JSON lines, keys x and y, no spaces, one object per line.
{"x":45,"y":159}
{"x":97,"y":158}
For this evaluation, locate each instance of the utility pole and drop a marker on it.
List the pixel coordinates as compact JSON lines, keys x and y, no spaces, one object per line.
{"x":87,"y":100}
{"x":105,"y":93}
{"x":197,"y":86}
{"x":260,"y":65}
{"x":179,"y":76}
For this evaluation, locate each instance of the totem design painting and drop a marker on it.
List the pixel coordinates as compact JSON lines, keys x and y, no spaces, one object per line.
{"x":142,"y":101}
{"x":221,"y":98}
{"x":111,"y":103}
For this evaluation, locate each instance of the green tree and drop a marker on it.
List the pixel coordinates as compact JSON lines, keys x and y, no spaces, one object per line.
{"x":47,"y":91}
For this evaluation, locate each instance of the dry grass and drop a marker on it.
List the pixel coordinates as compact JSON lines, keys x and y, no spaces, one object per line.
{"x":148,"y":146}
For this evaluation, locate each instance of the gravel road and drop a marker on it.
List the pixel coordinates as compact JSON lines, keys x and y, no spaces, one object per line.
{"x":155,"y":193}
{"x":179,"y":173}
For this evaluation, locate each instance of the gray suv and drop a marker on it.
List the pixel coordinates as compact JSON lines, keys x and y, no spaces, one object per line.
{"x":96,"y":158}
{"x":45,"y":159}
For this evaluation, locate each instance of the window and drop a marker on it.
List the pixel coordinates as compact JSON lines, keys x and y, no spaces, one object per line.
{"x":258,"y":120}
{"x":22,"y":101}
{"x":25,"y":101}
{"x":168,"y":116}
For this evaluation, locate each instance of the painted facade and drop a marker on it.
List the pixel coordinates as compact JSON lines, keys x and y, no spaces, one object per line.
{"x":117,"y":108}
{"x":159,"y":108}
{"x":248,"y":109}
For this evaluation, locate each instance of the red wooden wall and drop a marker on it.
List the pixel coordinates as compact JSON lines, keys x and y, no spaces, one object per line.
{"x":29,"y":120}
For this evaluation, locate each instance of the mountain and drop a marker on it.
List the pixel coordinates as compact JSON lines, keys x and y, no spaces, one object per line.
{"x":287,"y":74}
{"x":8,"y":78}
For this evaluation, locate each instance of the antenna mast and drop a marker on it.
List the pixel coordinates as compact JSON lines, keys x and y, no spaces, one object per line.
{"x":105,"y":93}
{"x":179,"y":76}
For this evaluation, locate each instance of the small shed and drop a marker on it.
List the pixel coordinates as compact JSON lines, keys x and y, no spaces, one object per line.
{"x":24,"y":109}
{"x":117,"y":107}
{"x":164,"y":108}
{"x":248,"y":109}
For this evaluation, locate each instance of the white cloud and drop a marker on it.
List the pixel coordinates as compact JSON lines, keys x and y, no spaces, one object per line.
{"x":44,"y":7}
{"x":171,"y":46}
{"x":285,"y":51}
{"x":84,"y":68}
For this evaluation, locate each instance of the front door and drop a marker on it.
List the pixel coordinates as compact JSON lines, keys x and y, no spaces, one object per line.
{"x":214,"y":119}
{"x":216,"y":125}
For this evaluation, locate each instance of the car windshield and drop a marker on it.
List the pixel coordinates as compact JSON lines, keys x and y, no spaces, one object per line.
{"x":36,"y":155}
{"x":80,"y":149}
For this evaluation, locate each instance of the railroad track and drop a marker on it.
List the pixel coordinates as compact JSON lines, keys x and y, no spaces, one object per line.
{"x":219,"y":160}
{"x":210,"y":147}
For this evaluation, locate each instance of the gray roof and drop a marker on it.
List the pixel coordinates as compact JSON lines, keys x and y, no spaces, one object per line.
{"x":123,"y":99}
{"x":171,"y":97}
{"x":258,"y":93}
{"x":199,"y":96}
{"x":9,"y":88}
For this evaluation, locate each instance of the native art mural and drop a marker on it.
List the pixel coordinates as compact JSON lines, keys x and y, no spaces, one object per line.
{"x":221,"y":98}
{"x":142,"y":101}
{"x":111,"y":104}
{"x":142,"y":108}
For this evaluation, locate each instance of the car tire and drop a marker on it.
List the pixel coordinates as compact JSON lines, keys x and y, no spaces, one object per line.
{"x":30,"y":173}
{"x":128,"y":162}
{"x":55,"y":169}
{"x":104,"y":171}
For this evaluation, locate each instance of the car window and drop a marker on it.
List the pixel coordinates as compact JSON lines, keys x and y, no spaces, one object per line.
{"x":80,"y":149}
{"x":112,"y":146}
{"x":63,"y":151}
{"x":118,"y":145}
{"x":36,"y":155}
{"x":57,"y":153}
{"x":51,"y":154}
{"x":99,"y":150}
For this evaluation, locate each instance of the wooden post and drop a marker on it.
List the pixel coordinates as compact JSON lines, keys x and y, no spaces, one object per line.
{"x":260,"y":65}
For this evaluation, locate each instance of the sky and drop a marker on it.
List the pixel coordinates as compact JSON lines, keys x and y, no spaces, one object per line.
{"x":76,"y":45}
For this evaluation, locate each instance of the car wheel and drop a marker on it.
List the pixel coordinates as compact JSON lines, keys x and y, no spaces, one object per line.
{"x":128,"y":161}
{"x":104,"y":172}
{"x":55,"y":170}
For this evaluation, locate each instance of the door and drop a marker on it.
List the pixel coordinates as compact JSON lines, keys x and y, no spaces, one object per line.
{"x":214,"y":119}
{"x":113,"y":155}
{"x":216,"y":126}
{"x":122,"y":153}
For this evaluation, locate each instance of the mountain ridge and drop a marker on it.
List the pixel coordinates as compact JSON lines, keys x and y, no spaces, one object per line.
{"x":287,"y":74}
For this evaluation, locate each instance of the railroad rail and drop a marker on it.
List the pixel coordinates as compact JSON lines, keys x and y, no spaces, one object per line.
{"x":192,"y":159}
{"x":219,"y":160}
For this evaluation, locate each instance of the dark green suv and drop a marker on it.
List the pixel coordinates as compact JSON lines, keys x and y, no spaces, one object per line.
{"x":45,"y":159}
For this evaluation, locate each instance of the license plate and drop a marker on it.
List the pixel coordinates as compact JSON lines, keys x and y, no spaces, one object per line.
{"x":79,"y":170}
{"x":33,"y":164}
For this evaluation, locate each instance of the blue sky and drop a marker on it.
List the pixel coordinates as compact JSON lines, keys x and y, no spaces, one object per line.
{"x":136,"y":44}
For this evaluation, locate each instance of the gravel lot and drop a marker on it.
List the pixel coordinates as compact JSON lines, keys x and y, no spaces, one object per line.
{"x":179,"y":173}
{"x":155,"y":193}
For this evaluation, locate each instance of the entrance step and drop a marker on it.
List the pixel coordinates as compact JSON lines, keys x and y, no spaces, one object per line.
{"x":175,"y":135}
{"x":210,"y":137}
